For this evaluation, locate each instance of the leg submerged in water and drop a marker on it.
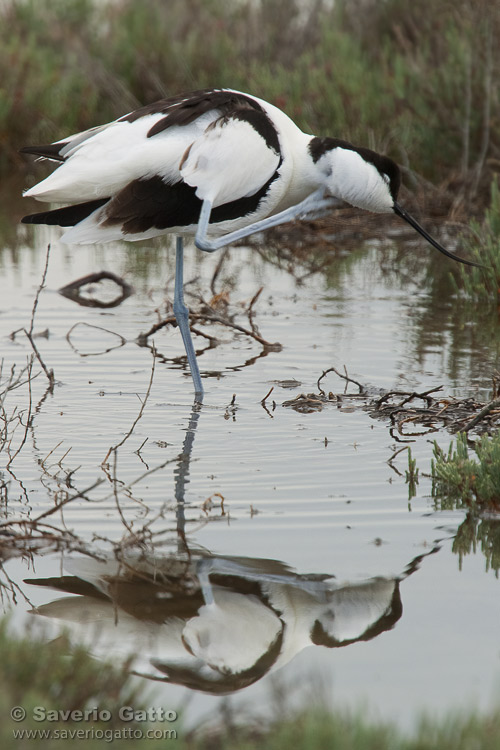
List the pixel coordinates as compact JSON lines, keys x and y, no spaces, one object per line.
{"x":181,"y":313}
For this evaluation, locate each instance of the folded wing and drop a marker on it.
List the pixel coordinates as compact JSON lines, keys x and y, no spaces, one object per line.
{"x":149,"y":171}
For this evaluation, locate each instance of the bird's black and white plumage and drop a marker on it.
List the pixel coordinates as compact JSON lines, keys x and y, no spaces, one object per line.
{"x":148,"y":172}
{"x":217,"y":164}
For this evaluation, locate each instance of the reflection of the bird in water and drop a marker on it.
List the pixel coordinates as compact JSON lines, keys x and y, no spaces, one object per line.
{"x":216,"y":624}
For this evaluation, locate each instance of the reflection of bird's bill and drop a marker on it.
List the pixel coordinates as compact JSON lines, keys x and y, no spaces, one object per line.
{"x":414,"y":223}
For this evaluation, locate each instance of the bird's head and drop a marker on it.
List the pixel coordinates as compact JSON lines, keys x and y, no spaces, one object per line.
{"x":367,"y":180}
{"x":358,"y":176}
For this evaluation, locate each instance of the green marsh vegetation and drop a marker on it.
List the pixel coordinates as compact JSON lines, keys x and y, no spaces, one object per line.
{"x":482,"y":286}
{"x":468,"y":479}
{"x":60,"y":677}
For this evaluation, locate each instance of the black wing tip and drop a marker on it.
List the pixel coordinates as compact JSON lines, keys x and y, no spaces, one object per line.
{"x":47,"y":151}
{"x":30,"y":219}
{"x":40,"y":218}
{"x":67,"y":216}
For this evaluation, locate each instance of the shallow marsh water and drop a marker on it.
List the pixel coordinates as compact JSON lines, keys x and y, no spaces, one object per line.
{"x":303,"y":494}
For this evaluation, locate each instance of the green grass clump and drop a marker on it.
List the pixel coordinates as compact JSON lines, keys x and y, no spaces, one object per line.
{"x":459,"y":481}
{"x":466,"y":481}
{"x":482,"y":285}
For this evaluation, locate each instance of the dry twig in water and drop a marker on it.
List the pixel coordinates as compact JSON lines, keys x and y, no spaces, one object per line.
{"x":345,"y":377}
{"x":29,"y":333}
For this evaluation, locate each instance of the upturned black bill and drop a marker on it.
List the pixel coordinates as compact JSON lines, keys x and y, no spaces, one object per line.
{"x":414,"y":223}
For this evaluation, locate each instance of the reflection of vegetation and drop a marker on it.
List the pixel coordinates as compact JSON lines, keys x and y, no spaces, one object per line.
{"x":471,"y":321}
{"x":476,"y":531}
{"x":12,"y":208}
{"x":465,"y":335}
{"x":411,"y":476}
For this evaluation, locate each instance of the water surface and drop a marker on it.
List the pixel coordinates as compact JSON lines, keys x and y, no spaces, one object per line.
{"x":315,"y":525}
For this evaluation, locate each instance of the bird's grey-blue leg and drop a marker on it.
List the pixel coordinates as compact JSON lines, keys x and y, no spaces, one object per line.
{"x":311,"y":206}
{"x":203,"y":569}
{"x":182,"y":317}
